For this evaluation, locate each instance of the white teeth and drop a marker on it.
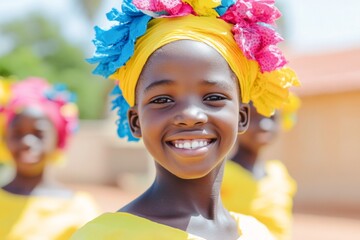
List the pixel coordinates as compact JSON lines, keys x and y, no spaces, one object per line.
{"x":191,"y":144}
{"x":187,"y":145}
{"x":194,"y":144}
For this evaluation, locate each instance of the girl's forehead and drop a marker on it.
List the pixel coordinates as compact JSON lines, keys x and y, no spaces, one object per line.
{"x":186,"y":59}
{"x":187,"y":49}
{"x":31,"y":117}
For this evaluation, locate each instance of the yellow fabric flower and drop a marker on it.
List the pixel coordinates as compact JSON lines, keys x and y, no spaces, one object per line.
{"x":270,"y":90}
{"x":4,"y":91}
{"x":204,"y":7}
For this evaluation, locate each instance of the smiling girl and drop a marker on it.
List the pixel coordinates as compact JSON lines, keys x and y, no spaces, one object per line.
{"x":184,"y":81}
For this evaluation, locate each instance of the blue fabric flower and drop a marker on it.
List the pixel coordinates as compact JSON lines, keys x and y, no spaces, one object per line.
{"x":225,"y":4}
{"x":59,"y":92}
{"x":115,"y":46}
{"x":122,"y":107}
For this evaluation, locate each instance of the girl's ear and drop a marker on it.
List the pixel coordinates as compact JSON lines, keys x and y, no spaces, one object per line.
{"x":244,"y":118}
{"x":134,"y":122}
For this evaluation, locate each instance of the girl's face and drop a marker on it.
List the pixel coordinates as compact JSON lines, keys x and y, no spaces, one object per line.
{"x":188,"y":110}
{"x":262,"y":130}
{"x":30,"y":137}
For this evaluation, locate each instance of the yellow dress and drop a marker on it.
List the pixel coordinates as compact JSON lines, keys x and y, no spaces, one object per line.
{"x":116,"y":226}
{"x":269,"y":199}
{"x":43,"y":218}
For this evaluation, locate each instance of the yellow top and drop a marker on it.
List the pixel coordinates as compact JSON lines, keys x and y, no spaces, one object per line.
{"x":43,"y":218}
{"x":128,"y":226}
{"x":269,"y":199}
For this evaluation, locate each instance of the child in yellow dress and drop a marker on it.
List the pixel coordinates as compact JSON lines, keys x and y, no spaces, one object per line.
{"x":263,"y":189}
{"x":37,"y":120}
{"x":185,"y":71}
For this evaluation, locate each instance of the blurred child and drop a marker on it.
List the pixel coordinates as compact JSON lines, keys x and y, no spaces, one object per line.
{"x":37,"y":120}
{"x":259,"y":188}
{"x":184,"y":81}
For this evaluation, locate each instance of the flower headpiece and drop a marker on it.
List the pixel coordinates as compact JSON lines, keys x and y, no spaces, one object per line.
{"x":56,"y":102}
{"x":250,"y":22}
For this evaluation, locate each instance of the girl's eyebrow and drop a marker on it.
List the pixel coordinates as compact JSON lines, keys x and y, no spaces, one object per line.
{"x":159,"y":83}
{"x":221,"y":84}
{"x":168,"y":82}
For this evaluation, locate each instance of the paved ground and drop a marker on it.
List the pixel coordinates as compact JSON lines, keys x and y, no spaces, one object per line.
{"x":307,"y":226}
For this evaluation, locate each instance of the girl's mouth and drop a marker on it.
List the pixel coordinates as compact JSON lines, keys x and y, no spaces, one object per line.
{"x":190,"y":144}
{"x":29,"y":158}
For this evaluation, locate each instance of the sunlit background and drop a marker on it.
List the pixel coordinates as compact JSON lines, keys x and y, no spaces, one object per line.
{"x":52,"y":39}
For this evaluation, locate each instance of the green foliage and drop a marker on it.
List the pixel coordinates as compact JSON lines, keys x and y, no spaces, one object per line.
{"x":90,"y":7}
{"x":40,"y":50}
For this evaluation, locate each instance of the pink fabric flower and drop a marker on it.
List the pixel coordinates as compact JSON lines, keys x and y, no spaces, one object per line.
{"x":172,"y":8}
{"x":257,"y":40}
{"x":252,"y":11}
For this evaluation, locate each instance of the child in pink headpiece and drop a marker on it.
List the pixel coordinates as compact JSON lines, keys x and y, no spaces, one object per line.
{"x":55,"y":103}
{"x":37,"y":120}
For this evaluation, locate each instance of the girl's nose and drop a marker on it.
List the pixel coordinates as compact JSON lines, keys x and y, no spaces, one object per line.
{"x":32,"y":143}
{"x":190,"y":115}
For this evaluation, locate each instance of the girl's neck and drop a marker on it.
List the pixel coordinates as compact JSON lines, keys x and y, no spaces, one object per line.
{"x":249,"y":159}
{"x":201,"y":196}
{"x":42,"y":185}
{"x":246,"y":157}
{"x":171,"y":198}
{"x":23,"y":185}
{"x":192,"y":205}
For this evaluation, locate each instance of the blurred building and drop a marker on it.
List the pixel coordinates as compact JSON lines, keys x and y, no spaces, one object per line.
{"x":321,"y":152}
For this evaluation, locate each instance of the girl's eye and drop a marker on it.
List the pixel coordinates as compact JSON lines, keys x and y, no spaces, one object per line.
{"x":161,"y":100}
{"x":214,"y":98}
{"x":40,"y":135}
{"x":16,"y":136}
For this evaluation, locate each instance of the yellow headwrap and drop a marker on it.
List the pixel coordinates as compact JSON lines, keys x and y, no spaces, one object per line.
{"x":267,"y":90}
